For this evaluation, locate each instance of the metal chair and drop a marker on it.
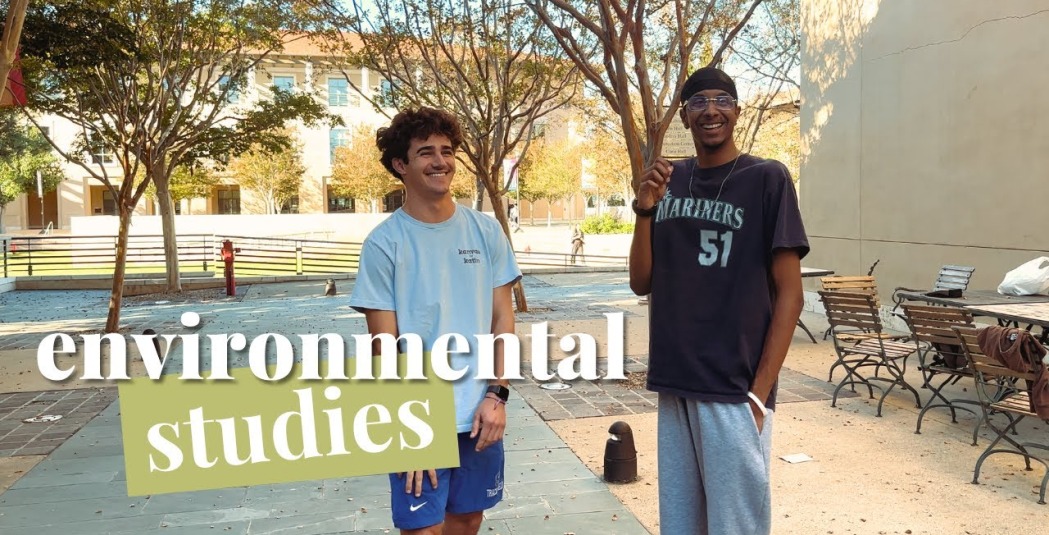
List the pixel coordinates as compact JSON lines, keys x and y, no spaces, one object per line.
{"x":860,"y":342}
{"x":951,"y":277}
{"x":940,"y":358}
{"x":1012,"y":398}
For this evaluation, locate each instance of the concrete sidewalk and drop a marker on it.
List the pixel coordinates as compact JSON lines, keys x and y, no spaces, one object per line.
{"x":869,"y":475}
{"x":80,"y":487}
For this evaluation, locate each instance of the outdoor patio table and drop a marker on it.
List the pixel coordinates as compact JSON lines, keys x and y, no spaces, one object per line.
{"x":973,"y":297}
{"x":1031,"y":314}
{"x":812,"y":272}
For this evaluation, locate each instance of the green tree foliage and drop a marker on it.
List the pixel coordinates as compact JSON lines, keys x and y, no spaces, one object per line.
{"x":358,"y":173}
{"x":23,"y":152}
{"x":608,"y":163}
{"x":274,"y":176}
{"x":606,"y":224}
{"x":551,"y":170}
{"x":151,"y":81}
{"x":192,"y":181}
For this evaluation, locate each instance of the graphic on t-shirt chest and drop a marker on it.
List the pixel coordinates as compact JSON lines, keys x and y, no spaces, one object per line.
{"x":470,"y":255}
{"x":715,"y":246}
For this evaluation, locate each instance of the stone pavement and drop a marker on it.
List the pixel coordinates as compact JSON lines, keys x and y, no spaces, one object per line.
{"x":80,"y":486}
{"x":870,"y":475}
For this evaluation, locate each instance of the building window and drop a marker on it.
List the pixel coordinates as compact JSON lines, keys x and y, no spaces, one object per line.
{"x":393,"y":200}
{"x":228,"y":199}
{"x":290,"y":206}
{"x":233,"y":96}
{"x":109,"y":203}
{"x":339,"y":205}
{"x":338,"y":92}
{"x":100,"y":154}
{"x":385,"y":89}
{"x":339,"y":137}
{"x":286,"y":83}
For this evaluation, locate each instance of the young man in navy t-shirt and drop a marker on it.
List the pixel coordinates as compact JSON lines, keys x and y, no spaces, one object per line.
{"x":718,"y":244}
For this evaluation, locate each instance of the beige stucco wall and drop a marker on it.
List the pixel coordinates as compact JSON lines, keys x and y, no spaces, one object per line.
{"x":924,"y":136}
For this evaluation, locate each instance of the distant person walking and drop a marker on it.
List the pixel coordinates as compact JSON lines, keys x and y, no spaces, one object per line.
{"x":515,"y":218}
{"x":577,"y":244}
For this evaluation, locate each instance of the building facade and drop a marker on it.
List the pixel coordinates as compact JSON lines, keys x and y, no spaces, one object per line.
{"x":923,"y":141}
{"x":302,"y":66}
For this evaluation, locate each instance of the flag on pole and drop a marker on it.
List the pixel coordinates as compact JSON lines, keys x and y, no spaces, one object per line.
{"x":39,"y":184}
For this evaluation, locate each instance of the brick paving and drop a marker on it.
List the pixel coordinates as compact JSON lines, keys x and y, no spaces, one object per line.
{"x":77,"y":407}
{"x":585,"y":399}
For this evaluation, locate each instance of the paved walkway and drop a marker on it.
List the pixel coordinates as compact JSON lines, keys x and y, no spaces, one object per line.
{"x":80,"y":486}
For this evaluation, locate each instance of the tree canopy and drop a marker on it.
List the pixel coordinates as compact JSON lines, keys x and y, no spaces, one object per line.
{"x":274,"y":176}
{"x":492,"y":63}
{"x":151,"y":82}
{"x":23,"y":152}
{"x":358,"y":173}
{"x":637,"y":54}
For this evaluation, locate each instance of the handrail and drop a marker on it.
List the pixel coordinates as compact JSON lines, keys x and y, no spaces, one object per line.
{"x":96,"y":254}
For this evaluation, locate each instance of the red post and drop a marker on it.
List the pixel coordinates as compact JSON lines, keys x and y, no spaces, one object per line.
{"x":227,"y":259}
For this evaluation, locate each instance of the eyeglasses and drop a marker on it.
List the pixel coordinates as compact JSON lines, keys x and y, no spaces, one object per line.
{"x":700,"y":103}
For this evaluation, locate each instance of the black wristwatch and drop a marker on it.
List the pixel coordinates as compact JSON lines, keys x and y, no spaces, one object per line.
{"x":644,"y":212}
{"x":499,"y":390}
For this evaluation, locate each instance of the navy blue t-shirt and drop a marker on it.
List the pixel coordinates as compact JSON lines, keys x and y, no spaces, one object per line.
{"x":712,"y":291}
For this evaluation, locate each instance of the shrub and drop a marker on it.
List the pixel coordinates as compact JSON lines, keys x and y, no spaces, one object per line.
{"x":606,"y":224}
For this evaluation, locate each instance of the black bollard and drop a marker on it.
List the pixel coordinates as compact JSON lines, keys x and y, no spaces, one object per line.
{"x":620,"y":455}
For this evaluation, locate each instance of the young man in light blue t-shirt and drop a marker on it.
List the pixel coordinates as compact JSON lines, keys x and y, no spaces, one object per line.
{"x":433,"y":268}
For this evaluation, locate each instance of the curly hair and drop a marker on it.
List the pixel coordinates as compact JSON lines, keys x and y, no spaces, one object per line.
{"x":393,"y":141}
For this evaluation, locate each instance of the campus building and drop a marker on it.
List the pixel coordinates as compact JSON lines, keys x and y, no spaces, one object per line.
{"x":301,"y":66}
{"x":923,"y":137}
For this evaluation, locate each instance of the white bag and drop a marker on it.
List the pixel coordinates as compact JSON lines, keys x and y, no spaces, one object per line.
{"x":1029,"y":279}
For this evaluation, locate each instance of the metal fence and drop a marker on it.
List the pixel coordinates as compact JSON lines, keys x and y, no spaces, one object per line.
{"x":289,"y":256}
{"x":527,"y":259}
{"x":91,"y":255}
{"x":88,"y":255}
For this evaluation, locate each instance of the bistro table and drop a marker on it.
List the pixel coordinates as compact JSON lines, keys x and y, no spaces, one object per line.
{"x":812,"y":272}
{"x":1030,"y":313}
{"x":1029,"y":310}
{"x":970,"y":298}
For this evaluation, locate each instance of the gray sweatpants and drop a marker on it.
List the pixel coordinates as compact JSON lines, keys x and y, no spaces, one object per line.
{"x":713,"y":469}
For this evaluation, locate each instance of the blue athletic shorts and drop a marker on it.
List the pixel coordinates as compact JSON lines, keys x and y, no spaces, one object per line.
{"x":475,"y":486}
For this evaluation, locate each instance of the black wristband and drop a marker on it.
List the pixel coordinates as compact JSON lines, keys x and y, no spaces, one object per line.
{"x":500,"y":391}
{"x":644,"y":212}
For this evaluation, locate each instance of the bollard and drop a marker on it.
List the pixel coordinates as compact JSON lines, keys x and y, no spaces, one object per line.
{"x":620,"y":455}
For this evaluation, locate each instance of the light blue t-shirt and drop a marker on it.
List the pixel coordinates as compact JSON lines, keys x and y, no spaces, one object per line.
{"x":438,"y":278}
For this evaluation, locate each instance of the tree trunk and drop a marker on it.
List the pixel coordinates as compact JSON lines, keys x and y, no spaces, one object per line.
{"x":479,"y":198}
{"x":14,"y":18}
{"x":531,"y":212}
{"x":167,"y":224}
{"x":3,"y":207}
{"x":504,"y":221}
{"x":116,"y":296}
